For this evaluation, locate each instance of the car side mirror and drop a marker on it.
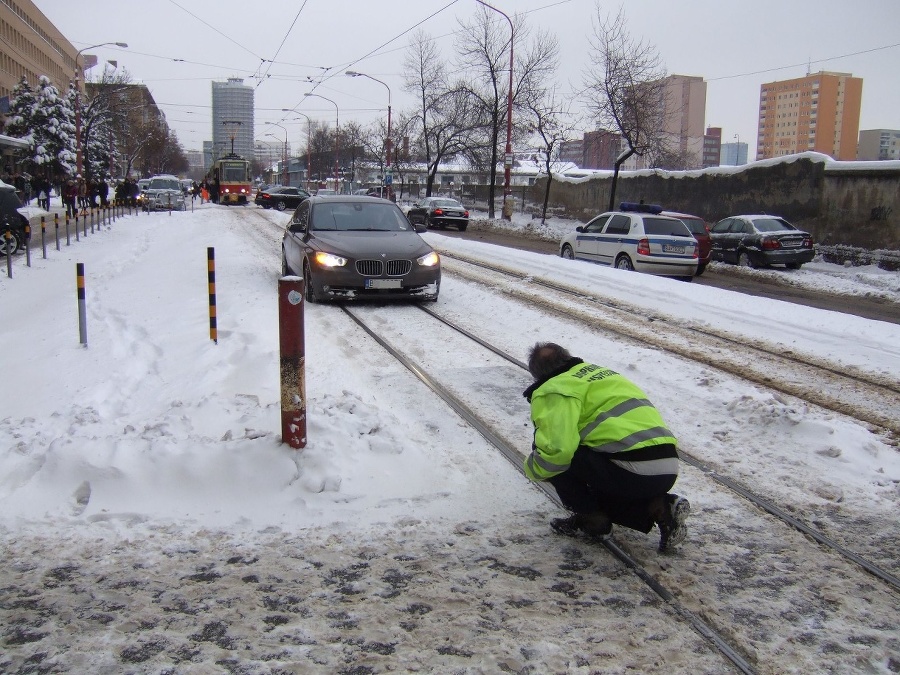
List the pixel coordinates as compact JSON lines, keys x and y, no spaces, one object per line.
{"x":296,"y":227}
{"x":420,"y":227}
{"x":579,"y":229}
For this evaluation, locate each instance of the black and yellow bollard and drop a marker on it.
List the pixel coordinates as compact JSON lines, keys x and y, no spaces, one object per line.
{"x":211,"y":282}
{"x":27,"y":245}
{"x":56,"y":228}
{"x":43,"y":237}
{"x":82,"y":307}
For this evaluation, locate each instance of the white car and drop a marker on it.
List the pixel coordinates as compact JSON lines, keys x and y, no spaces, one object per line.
{"x":163,"y":193}
{"x":635,"y":238}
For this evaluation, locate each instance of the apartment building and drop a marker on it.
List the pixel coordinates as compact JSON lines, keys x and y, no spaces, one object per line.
{"x":712,"y":147}
{"x":819,"y":112}
{"x":232,"y":118}
{"x":684,"y":120}
{"x":31,"y":46}
{"x":878,"y":144}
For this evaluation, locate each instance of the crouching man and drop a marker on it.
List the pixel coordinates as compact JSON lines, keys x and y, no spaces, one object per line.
{"x":604,"y":447}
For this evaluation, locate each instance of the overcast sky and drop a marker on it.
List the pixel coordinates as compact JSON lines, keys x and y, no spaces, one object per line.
{"x":177,"y":47}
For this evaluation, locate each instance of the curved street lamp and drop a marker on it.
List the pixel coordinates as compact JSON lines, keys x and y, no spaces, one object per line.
{"x":337,"y":130}
{"x":286,"y":180}
{"x":387,"y":143}
{"x":308,"y":136}
{"x":78,"y":73}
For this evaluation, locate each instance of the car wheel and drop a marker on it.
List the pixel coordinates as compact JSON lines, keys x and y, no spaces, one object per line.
{"x":426,"y":221}
{"x":280,"y":205}
{"x":567,"y":252}
{"x":311,"y":295}
{"x":700,"y":270}
{"x":623,"y":262}
{"x":793,"y":265}
{"x":14,"y":243}
{"x":744,"y":260}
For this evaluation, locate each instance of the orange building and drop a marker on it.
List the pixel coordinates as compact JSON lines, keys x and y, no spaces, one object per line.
{"x":819,"y":112}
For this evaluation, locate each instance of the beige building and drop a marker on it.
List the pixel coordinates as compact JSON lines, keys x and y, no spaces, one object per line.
{"x":685,"y":117}
{"x":819,"y":112}
{"x":32,"y":46}
{"x":878,"y":144}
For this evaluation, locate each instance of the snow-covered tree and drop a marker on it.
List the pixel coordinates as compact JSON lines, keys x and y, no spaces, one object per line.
{"x":54,"y":131}
{"x":21,"y":111}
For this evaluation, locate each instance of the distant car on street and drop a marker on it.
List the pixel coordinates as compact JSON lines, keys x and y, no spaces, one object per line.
{"x":760,"y":240}
{"x":637,"y":237}
{"x":349,"y":247}
{"x":439,"y":212}
{"x":281,"y":197}
{"x":11,"y":221}
{"x":163,"y":193}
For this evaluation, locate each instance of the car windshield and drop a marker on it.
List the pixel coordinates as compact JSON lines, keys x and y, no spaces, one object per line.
{"x":451,"y":203}
{"x":772,"y":225}
{"x":164,"y":184}
{"x":666,"y":226}
{"x":347,"y":216}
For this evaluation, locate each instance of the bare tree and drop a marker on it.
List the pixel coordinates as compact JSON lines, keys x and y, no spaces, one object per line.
{"x":444,"y":117}
{"x":554,"y":125}
{"x":625,"y":88}
{"x":483,"y":50}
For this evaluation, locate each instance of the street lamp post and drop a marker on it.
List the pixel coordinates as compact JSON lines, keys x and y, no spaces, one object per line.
{"x":737,"y":150}
{"x":78,"y":72}
{"x":308,"y":135}
{"x":337,"y":130}
{"x":286,"y":180}
{"x":387,"y":143}
{"x":507,"y":159}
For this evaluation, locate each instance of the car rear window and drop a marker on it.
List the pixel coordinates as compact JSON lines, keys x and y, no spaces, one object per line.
{"x":666,"y":226}
{"x":772,"y":225}
{"x":446,"y":202}
{"x":695,"y":225}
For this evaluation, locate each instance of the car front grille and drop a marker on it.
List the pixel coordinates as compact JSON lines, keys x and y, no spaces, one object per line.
{"x":375,"y":268}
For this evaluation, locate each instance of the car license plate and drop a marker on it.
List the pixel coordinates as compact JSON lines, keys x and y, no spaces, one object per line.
{"x":669,"y":248}
{"x":383,"y":283}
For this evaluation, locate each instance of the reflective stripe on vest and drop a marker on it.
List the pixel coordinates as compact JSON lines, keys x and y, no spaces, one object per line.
{"x":615,"y":411}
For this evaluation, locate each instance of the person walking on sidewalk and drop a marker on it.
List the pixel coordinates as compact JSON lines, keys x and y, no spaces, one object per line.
{"x":604,"y":447}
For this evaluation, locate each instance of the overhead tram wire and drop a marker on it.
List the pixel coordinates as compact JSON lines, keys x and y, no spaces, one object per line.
{"x":216,"y":30}
{"x":265,"y":75}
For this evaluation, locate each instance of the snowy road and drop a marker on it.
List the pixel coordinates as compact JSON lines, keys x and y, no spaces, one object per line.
{"x":152,"y":522}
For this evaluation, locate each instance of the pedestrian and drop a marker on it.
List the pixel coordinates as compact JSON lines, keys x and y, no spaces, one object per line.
{"x":70,"y":198}
{"x":604,"y":447}
{"x":103,"y":192}
{"x":204,"y":193}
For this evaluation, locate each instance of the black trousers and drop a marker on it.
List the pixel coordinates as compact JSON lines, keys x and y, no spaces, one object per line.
{"x":593,"y":483}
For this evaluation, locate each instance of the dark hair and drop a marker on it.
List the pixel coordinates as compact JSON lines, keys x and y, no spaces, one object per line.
{"x":545,"y":358}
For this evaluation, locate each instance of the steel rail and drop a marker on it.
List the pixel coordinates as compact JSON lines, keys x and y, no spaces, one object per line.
{"x":515,"y":458}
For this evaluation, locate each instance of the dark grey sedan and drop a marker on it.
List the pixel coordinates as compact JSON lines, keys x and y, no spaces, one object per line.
{"x":760,"y":240}
{"x":439,"y":212}
{"x":348,"y":247}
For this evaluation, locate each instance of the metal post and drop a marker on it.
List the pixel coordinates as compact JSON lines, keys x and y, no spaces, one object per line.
{"x":56,"y":229}
{"x":27,"y":246}
{"x":82,"y":309}
{"x":211,"y":283}
{"x":77,"y":238}
{"x":293,"y":360}
{"x":6,"y":237}
{"x":44,"y":237}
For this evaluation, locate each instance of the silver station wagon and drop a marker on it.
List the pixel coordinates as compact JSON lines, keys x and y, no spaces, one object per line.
{"x":637,"y":238}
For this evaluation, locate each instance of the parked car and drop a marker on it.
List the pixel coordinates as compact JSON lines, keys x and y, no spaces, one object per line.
{"x":281,"y":197}
{"x":439,"y":212}
{"x":637,"y":237}
{"x":759,"y":240}
{"x":163,"y":193}
{"x":348,"y":247}
{"x":700,"y":230}
{"x":11,"y":220}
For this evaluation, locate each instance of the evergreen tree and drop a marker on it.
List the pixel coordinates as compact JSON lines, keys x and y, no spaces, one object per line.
{"x":54,"y":131}
{"x":20,"y":120}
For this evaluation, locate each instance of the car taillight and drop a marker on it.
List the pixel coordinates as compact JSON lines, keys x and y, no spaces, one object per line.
{"x":438,"y":212}
{"x":696,"y":251}
{"x":769,"y":244}
{"x":808,"y":242}
{"x":643,"y":247}
{"x":466,"y":214}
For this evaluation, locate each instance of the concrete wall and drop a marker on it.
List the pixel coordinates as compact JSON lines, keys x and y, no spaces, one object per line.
{"x":836,"y":202}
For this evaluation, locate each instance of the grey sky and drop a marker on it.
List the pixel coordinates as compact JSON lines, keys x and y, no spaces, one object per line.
{"x":176,"y":47}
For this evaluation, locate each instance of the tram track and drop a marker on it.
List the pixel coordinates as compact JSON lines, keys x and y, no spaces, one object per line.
{"x":871,"y":398}
{"x":695,"y":610}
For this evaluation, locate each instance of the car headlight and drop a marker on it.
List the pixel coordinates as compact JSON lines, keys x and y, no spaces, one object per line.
{"x":329,"y":259}
{"x":429,"y":260}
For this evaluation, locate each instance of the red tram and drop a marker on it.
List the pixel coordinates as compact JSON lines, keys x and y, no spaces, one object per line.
{"x":232,"y":175}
